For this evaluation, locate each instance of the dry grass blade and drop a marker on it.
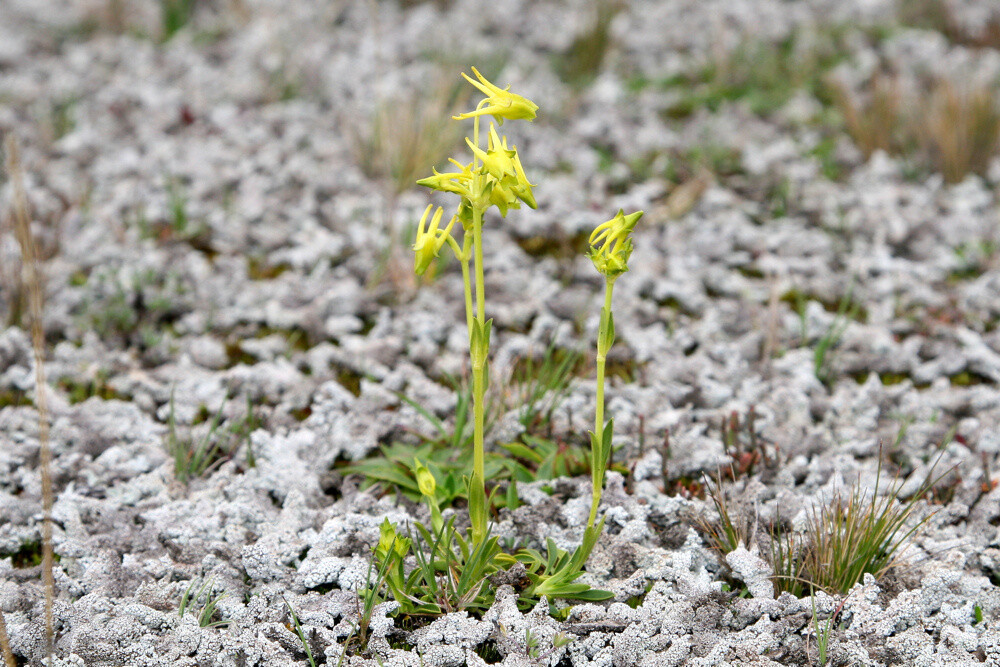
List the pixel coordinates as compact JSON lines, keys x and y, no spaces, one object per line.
{"x":956,"y":132}
{"x":8,"y":655}
{"x":31,"y":275}
{"x":962,"y":131}
{"x":873,"y":122}
{"x":407,"y":134}
{"x":734,"y":526}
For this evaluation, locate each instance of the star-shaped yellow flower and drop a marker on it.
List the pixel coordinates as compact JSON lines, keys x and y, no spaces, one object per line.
{"x":499,"y":103}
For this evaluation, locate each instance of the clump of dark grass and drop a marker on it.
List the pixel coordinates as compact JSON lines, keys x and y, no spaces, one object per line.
{"x":580,"y":64}
{"x":937,"y":15}
{"x":843,"y":540}
{"x":858,"y":535}
{"x":197,"y":456}
{"x":951,"y":128}
{"x":732,"y":527}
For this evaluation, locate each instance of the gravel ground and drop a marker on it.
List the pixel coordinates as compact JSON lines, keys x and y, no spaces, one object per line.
{"x":215,"y":222}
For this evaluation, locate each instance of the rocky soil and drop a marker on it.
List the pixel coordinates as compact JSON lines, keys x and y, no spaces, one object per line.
{"x":214,"y":201}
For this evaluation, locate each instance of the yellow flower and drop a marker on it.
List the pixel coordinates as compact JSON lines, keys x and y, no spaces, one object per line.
{"x":611,"y":244}
{"x":507,"y":180}
{"x":523,"y":188}
{"x":428,"y":242}
{"x":452,"y":181}
{"x":390,"y":542}
{"x":499,"y":103}
{"x":498,"y":160}
{"x":501,"y":197}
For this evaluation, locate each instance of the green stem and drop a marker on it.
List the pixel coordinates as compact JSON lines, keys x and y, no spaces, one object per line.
{"x":597,"y":467}
{"x":464,"y":257}
{"x":477,"y":231}
{"x":478,"y":369}
{"x":479,"y":373}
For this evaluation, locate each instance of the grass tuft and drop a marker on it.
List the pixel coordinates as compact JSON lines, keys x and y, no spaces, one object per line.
{"x":407,"y":133}
{"x":953,"y":129}
{"x":872,"y":117}
{"x":962,"y":132}
{"x":843,"y":540}
{"x":190,"y":598}
{"x":580,"y":64}
{"x":197,"y":456}
{"x":859,"y":535}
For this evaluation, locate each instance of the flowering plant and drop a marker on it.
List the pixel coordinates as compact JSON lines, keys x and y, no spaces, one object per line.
{"x":496,"y":178}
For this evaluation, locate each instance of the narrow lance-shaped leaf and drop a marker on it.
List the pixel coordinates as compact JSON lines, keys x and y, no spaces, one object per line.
{"x":609,"y":430}
{"x":477,"y":501}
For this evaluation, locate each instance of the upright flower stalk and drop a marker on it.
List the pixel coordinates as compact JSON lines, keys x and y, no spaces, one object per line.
{"x":610,"y":249}
{"x":493,"y":178}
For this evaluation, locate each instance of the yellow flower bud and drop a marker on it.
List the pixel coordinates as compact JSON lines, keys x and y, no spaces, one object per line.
{"x":499,"y":103}
{"x":611,"y":244}
{"x":429,"y":241}
{"x":425,"y":479}
{"x":387,"y":539}
{"x":502,"y":197}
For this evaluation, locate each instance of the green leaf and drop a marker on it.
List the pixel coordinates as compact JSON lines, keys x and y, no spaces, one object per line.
{"x":478,"y":512}
{"x":593,"y":595}
{"x":513,"y":500}
{"x":479,"y":343}
{"x":609,"y":430}
{"x":387,"y":472}
{"x":522,"y":452}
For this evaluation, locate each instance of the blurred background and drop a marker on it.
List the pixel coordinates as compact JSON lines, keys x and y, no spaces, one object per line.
{"x":234,"y":179}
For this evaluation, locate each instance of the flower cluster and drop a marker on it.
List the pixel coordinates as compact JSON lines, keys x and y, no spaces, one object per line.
{"x":495,"y":176}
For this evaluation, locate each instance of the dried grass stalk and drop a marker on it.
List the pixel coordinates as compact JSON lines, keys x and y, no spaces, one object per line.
{"x":874,"y":122}
{"x":32,"y":282}
{"x":8,"y":655}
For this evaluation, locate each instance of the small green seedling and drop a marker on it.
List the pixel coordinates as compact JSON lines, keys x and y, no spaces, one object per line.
{"x":195,"y":457}
{"x":301,"y":634}
{"x":208,"y":607}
